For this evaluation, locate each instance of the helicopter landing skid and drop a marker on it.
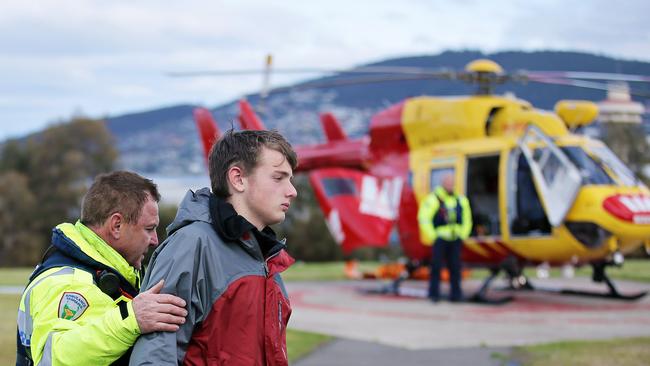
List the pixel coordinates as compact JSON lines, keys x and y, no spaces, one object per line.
{"x":477,"y":299}
{"x":395,"y":288}
{"x":480,"y":297}
{"x":599,"y":275}
{"x":606,"y":295}
{"x":613,"y":292}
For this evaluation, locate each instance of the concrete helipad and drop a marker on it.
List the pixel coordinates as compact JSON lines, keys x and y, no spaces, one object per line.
{"x":341,"y":310}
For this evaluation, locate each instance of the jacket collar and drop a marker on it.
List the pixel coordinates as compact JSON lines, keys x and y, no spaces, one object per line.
{"x":443,"y":194}
{"x":80,"y":242}
{"x":232,"y":227}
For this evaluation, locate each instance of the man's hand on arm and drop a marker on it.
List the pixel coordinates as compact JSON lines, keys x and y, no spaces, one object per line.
{"x":156,"y":312}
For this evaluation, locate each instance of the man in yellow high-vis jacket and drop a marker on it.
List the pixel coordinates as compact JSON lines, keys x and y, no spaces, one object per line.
{"x":445,"y":220}
{"x":82,"y":306}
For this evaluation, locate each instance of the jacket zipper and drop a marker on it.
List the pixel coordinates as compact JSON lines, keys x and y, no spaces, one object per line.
{"x":266,"y":262}
{"x":280,"y":315}
{"x":280,"y":326}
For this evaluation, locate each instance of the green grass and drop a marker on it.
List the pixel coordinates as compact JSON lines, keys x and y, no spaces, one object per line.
{"x":14,"y":276}
{"x":633,"y":270}
{"x":325,"y":271}
{"x":620,"y":351}
{"x":8,"y":312}
{"x":300,"y":271}
{"x":300,"y":344}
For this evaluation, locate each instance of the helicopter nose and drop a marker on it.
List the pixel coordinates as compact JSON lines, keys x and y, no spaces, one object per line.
{"x":634,"y":208}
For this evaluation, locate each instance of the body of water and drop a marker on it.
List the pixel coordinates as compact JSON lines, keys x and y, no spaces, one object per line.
{"x":173,"y":188}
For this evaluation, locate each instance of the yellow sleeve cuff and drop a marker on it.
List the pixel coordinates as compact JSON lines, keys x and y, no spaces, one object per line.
{"x":126,"y":328}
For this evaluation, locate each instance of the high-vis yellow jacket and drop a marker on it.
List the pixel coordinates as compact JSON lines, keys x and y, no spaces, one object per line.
{"x":64,"y":318}
{"x":444,"y":216}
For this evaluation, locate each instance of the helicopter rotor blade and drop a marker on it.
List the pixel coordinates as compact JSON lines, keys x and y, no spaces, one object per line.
{"x":448,"y":76}
{"x":381,"y":74}
{"x":398,"y":70}
{"x":584,"y":84}
{"x":605,"y":76}
{"x":241,"y":72}
{"x":354,"y":81}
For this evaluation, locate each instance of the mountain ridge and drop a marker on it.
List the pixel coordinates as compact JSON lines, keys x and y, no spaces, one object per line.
{"x":164,"y":140}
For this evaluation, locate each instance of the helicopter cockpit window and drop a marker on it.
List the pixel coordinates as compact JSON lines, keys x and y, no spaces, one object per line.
{"x":549,"y":162}
{"x":590,"y":171}
{"x":339,"y":186}
{"x":555,"y":176}
{"x":615,"y":165}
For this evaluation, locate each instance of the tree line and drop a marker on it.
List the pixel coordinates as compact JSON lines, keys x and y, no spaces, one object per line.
{"x":43,"y":178}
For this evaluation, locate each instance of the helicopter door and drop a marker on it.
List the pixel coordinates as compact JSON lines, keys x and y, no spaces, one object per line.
{"x":556,"y":179}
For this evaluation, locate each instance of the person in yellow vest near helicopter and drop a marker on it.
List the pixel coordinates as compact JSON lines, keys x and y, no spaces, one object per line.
{"x":445,"y":220}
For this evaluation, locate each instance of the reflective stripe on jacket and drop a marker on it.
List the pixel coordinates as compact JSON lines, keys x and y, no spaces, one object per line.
{"x":239,"y":308}
{"x":65,"y":319}
{"x":454,"y":227}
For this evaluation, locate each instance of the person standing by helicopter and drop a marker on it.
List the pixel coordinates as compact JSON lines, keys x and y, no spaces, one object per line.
{"x":445,"y":220}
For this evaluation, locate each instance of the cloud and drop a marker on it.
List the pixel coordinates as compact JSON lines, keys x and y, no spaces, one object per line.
{"x":111,"y":56}
{"x":593,"y":26}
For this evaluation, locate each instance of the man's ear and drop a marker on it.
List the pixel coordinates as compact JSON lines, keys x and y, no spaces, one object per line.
{"x":114,"y":223}
{"x":236,"y":178}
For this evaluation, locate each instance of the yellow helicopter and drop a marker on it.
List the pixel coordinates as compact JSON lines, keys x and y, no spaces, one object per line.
{"x":539,"y":192}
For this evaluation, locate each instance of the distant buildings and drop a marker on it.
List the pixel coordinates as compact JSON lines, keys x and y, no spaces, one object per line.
{"x":619,"y":106}
{"x":624,"y":127}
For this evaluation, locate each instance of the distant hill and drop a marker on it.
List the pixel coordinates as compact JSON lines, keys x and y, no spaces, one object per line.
{"x":165,"y":142}
{"x":144,"y":121}
{"x":161,"y":141}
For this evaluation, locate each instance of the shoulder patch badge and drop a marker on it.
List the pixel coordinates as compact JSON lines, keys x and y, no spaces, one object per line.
{"x":72,"y":305}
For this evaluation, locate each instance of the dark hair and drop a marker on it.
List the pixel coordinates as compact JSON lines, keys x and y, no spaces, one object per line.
{"x":120,"y":191}
{"x":243,"y":149}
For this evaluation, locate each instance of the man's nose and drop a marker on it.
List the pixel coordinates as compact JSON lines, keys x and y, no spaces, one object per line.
{"x":154,"y":240}
{"x":293,"y":193}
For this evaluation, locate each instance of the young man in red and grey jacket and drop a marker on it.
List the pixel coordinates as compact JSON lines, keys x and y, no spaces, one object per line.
{"x":224,"y":260}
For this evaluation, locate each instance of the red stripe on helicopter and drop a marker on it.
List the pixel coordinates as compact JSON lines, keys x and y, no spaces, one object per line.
{"x":632,"y":208}
{"x":495,"y":250}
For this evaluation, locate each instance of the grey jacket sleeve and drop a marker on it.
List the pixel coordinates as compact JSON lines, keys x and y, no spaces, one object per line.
{"x":180,"y":261}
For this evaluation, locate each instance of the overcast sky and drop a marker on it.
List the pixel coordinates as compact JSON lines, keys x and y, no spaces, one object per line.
{"x":66,"y":57}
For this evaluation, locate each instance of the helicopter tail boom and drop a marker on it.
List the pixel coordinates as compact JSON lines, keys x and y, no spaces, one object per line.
{"x":332,"y":128}
{"x":207,"y":127}
{"x":344,"y":153}
{"x":247,"y":117}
